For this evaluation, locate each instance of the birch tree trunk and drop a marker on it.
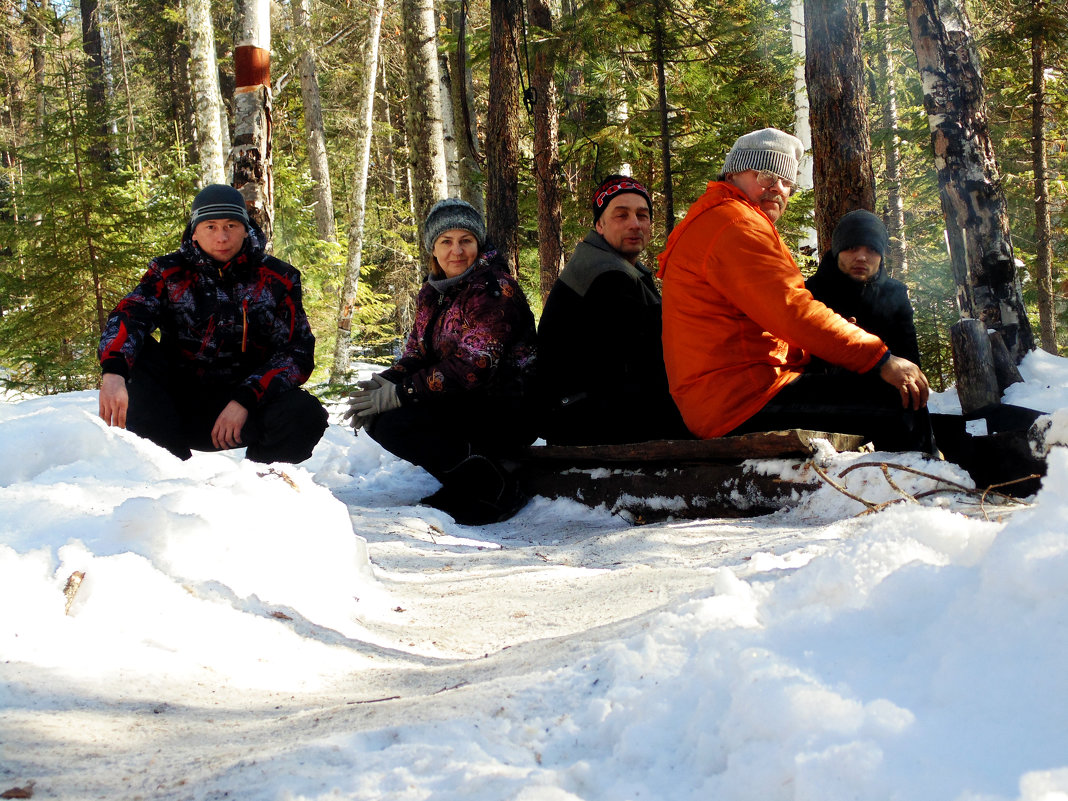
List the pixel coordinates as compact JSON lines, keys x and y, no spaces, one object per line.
{"x":1047,"y":316}
{"x":802,"y":128}
{"x":448,"y":128}
{"x":467,"y":151}
{"x":206,"y":95}
{"x":314,"y":129}
{"x":426,"y":138}
{"x":838,"y":111}
{"x":973,"y":200}
{"x":252,"y":112}
{"x":502,"y":130}
{"x":546,"y":148}
{"x":340,"y":369}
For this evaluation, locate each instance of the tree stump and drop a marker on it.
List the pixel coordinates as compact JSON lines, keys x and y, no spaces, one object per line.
{"x":973,"y":362}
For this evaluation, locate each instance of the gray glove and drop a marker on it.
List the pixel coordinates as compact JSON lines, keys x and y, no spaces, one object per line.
{"x":374,"y":397}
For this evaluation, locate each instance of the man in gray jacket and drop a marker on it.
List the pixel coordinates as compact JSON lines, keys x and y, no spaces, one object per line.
{"x":600,"y":360}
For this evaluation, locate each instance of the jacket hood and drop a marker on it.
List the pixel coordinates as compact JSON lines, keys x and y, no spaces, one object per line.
{"x":716,"y":193}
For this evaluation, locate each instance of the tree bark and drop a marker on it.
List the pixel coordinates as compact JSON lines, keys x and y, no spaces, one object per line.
{"x":253,"y":175}
{"x":1047,"y":315}
{"x":314,"y":129}
{"x":340,"y":369}
{"x":546,"y":149}
{"x":206,"y":95}
{"x":96,"y":88}
{"x":426,"y":138}
{"x":502,"y":130}
{"x":838,"y":110}
{"x":973,"y":200}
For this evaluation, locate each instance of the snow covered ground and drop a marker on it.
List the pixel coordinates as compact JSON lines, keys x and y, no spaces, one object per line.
{"x":310,"y":633}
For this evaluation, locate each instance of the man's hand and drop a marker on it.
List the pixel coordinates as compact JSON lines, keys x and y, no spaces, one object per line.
{"x":114,"y":400}
{"x":227,"y":430}
{"x":908,"y":379}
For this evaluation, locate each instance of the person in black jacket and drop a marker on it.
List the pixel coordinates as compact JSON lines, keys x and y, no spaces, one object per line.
{"x":600,"y":359}
{"x":851,"y":279}
{"x":233,"y":350}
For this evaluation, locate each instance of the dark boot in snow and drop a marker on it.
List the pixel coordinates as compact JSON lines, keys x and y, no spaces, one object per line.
{"x":476,"y":492}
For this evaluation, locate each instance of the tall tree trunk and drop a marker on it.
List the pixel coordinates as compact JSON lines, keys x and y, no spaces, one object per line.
{"x":96,"y":88}
{"x":448,"y":128}
{"x":365,"y":114}
{"x":973,"y":200}
{"x":802,"y":127}
{"x":467,"y":151}
{"x":546,"y":148}
{"x":426,"y":138}
{"x":314,"y":129}
{"x":1047,"y":315}
{"x":896,"y":255}
{"x":253,"y":175}
{"x":206,"y":96}
{"x":391,"y":184}
{"x":841,"y":147}
{"x":502,"y":130}
{"x":665,"y":128}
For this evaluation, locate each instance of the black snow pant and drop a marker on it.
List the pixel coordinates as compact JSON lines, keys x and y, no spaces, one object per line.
{"x":846,"y":403}
{"x":465,"y":443}
{"x":178,"y":413}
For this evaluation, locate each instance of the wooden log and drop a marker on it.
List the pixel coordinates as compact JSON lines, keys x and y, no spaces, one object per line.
{"x":677,"y":478}
{"x":973,"y":362}
{"x":655,"y":492}
{"x":759,"y":445}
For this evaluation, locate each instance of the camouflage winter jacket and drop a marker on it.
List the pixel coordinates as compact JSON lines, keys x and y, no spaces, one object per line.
{"x":477,"y":335}
{"x":240,"y":324}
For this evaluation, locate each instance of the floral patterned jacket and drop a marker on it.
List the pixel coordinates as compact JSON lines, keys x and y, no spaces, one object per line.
{"x":476,"y":336}
{"x":240,"y":324}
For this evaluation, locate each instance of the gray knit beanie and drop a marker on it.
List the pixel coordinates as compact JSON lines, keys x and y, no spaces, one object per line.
{"x":218,"y":202}
{"x":452,"y":213}
{"x":768,"y":149}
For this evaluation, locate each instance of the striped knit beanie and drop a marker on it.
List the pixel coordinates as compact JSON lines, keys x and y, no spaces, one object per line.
{"x":218,"y":202}
{"x":452,"y":213}
{"x":768,"y":149}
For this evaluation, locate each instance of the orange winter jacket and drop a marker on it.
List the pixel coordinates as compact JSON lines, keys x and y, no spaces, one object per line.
{"x":739,"y":324}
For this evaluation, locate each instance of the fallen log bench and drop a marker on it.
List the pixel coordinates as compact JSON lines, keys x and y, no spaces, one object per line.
{"x":677,"y":478}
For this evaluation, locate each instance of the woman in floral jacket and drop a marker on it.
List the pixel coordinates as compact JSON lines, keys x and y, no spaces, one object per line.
{"x":454,"y":403}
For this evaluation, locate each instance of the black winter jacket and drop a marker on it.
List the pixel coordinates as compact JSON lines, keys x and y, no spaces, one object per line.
{"x":881,"y":306}
{"x":600,"y":357}
{"x":239,"y":325}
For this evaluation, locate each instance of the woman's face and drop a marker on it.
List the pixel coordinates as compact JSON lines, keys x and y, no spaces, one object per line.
{"x":455,"y":251}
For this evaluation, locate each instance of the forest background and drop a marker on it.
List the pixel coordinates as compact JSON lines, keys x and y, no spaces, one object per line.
{"x":101,"y":155}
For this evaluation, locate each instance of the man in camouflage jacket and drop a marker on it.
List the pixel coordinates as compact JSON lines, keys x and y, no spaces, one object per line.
{"x":234,"y":345}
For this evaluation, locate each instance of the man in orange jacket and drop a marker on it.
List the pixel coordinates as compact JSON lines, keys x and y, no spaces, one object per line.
{"x":739,"y":326}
